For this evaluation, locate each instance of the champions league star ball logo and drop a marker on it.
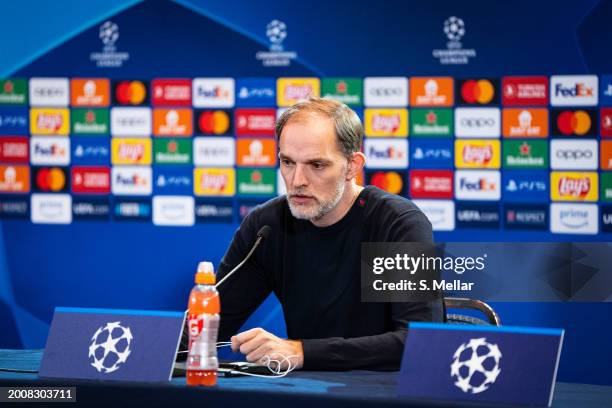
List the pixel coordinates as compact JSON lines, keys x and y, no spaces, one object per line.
{"x":476,"y":365}
{"x":276,"y":56}
{"x":110,"y":347}
{"x":276,"y":31}
{"x":109,"y":33}
{"x":454,"y":28}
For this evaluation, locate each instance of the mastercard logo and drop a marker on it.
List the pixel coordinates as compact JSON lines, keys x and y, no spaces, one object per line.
{"x":130,"y":92}
{"x":574,"y":123}
{"x":52,"y":179}
{"x":214,"y":122}
{"x":389,"y":181}
{"x":477,"y":92}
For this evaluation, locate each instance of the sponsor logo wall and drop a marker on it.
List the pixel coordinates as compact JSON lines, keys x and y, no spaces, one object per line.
{"x":515,"y":153}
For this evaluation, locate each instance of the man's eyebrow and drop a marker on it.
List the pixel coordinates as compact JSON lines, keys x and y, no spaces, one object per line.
{"x":310,"y":161}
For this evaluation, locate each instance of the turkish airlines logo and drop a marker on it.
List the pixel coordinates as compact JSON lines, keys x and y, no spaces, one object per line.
{"x":606,"y":122}
{"x":171,"y":92}
{"x":14,"y":150}
{"x":524,"y":91}
{"x":431,"y":184}
{"x":255,"y":122}
{"x":90,"y":180}
{"x":573,"y":90}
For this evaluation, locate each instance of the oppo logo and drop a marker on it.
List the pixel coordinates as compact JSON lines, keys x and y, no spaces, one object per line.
{"x":574,"y":154}
{"x":478,"y":122}
{"x":386,"y":91}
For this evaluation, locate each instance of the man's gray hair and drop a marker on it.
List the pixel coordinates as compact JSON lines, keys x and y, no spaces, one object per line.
{"x":348,"y":127}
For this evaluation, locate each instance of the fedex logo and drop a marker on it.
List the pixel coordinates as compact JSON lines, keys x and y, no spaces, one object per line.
{"x":573,"y":90}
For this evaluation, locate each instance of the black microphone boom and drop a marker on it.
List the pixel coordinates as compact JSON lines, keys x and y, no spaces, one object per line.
{"x":262,"y":234}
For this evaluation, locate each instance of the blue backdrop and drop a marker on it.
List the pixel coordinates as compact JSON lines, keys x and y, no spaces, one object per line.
{"x":138,"y":265}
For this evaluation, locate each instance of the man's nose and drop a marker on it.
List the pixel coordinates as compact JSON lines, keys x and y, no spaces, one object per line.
{"x":299,"y":176}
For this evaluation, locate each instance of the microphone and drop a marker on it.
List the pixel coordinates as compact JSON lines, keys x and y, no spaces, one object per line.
{"x":262,"y":234}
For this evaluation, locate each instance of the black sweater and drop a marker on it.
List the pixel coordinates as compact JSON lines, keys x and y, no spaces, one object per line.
{"x":315,"y":274}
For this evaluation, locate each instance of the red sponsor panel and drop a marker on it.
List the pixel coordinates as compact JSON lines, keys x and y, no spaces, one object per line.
{"x":14,"y":149}
{"x":606,"y":122}
{"x":525,"y":91}
{"x":171,"y":92}
{"x":90,"y":180}
{"x":255,"y":122}
{"x":431,"y":184}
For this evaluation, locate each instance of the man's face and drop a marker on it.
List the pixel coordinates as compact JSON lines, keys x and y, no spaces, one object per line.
{"x":312,"y":165}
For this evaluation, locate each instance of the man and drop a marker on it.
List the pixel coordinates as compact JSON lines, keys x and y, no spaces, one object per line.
{"x":311,"y":259}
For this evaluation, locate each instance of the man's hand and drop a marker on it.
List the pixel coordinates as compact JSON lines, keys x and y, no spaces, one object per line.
{"x":257,"y":343}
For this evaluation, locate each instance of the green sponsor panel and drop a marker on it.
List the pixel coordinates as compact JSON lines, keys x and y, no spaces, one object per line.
{"x":605,"y":182}
{"x":256,"y":182}
{"x":13,"y":91}
{"x":525,"y":154}
{"x":346,"y":90}
{"x":431,"y":122}
{"x":172,"y":151}
{"x":90,"y":121}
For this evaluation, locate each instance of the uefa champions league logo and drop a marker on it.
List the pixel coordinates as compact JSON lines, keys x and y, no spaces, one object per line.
{"x":276,"y":56}
{"x":454,"y":53}
{"x":110,"y":347}
{"x":109,"y":33}
{"x":454,"y":28}
{"x":276,"y":31}
{"x":475,"y":365}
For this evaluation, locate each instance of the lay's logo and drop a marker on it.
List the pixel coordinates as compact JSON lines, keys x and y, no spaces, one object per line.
{"x":131,"y":151}
{"x":477,"y":154}
{"x":49,"y":121}
{"x":574,"y":186}
{"x":291,"y":90}
{"x":214,"y":181}
{"x":386,"y":122}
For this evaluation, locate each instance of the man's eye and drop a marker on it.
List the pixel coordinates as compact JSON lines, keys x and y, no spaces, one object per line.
{"x":286,"y":162}
{"x":318,"y":165}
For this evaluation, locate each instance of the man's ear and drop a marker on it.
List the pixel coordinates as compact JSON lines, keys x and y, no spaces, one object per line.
{"x":355,"y":165}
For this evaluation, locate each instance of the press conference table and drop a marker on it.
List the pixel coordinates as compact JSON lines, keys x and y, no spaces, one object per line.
{"x":298,"y":389}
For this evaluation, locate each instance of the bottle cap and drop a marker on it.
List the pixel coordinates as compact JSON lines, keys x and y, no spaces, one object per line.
{"x":205,"y":274}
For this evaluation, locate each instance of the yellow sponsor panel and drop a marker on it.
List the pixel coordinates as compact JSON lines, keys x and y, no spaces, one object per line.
{"x":292,"y":90}
{"x":386,"y":122}
{"x":574,"y":186}
{"x":131,"y":151}
{"x":45,"y":121}
{"x":477,"y":154}
{"x":214,"y":181}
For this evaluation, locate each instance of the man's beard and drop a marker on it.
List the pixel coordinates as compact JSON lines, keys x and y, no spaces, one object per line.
{"x":320,"y":208}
